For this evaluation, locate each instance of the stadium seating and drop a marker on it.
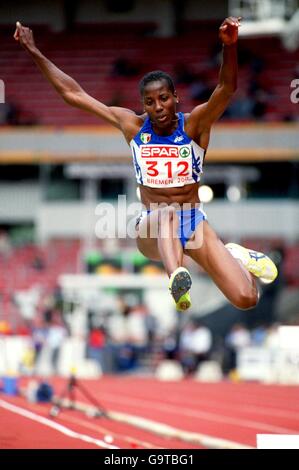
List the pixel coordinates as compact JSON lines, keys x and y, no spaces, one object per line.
{"x":88,"y":54}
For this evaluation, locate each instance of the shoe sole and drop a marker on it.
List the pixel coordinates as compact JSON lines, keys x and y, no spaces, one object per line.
{"x":181,"y":284}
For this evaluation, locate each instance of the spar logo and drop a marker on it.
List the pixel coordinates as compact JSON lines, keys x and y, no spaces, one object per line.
{"x":160,"y":151}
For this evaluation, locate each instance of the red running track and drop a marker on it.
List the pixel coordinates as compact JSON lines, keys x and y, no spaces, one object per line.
{"x":236,"y":412}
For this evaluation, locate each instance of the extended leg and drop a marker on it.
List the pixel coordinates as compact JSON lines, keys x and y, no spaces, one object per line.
{"x":158,"y":240}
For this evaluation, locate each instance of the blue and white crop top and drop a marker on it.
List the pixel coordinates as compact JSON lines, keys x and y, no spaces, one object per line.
{"x":166,"y":161}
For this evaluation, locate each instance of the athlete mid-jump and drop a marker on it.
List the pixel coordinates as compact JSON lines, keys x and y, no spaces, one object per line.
{"x":168,"y":150}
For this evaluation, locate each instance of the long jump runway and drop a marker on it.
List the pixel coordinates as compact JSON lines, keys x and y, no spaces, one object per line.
{"x":146,"y":413}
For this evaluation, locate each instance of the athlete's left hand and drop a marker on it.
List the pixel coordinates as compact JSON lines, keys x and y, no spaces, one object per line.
{"x":228,"y":31}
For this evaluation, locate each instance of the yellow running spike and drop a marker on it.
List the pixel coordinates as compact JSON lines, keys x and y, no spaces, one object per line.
{"x":259,"y":264}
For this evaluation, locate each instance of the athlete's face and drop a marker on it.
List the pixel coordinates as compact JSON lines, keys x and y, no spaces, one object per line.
{"x":160,"y":103}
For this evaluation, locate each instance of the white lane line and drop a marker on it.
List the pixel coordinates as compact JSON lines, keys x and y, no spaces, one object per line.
{"x":97,"y":427}
{"x":58,"y":427}
{"x":208,"y":416}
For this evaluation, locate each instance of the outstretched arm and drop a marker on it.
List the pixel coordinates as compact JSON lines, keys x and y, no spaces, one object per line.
{"x":203,"y":116}
{"x":66,"y":86}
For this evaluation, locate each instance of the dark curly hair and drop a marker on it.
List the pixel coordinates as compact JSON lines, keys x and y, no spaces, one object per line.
{"x":154,"y":77}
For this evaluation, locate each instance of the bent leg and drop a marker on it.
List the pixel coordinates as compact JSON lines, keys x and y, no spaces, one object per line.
{"x":169,"y":245}
{"x":232,"y":278}
{"x":157,"y":238}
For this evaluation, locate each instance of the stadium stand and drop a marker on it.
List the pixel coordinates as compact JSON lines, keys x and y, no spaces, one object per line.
{"x":98,"y":46}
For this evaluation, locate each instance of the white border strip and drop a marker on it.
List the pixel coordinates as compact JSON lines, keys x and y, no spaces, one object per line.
{"x":58,"y":427}
{"x":277,"y":441}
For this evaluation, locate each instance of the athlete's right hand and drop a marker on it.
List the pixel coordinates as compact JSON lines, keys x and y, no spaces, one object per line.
{"x":24,"y":36}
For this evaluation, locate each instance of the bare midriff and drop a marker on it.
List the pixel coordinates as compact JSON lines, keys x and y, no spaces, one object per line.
{"x":181,"y":195}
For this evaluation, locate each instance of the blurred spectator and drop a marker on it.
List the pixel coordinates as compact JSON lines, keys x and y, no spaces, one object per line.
{"x":39,"y":336}
{"x":200,"y":91}
{"x":258,"y":335}
{"x":55,"y":337}
{"x":9,"y":114}
{"x":247,"y":58}
{"x":241,"y":107}
{"x":38,"y":263}
{"x":215,"y":58}
{"x":195,"y":345}
{"x":136,"y":338}
{"x":27,"y":301}
{"x":260,"y":96}
{"x":260,"y":103}
{"x":136,"y":327}
{"x":151,"y":326}
{"x":122,"y":67}
{"x":96,"y":346}
{"x":128,"y":333}
{"x":272,"y":340}
{"x":183,"y":74}
{"x":170,"y":346}
{"x":257,"y":64}
{"x":237,"y":339}
{"x":47,"y":314}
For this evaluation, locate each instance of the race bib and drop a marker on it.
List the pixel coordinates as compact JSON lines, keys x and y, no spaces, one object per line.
{"x":166,"y":165}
